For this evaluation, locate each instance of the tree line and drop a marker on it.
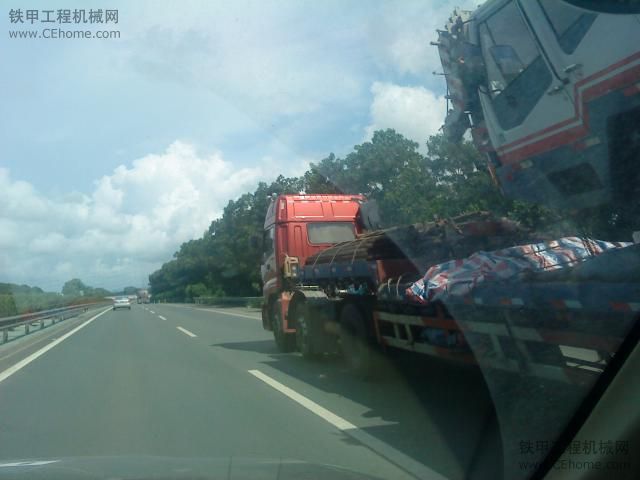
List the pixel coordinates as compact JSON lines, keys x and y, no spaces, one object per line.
{"x":18,"y":299}
{"x":408,"y":186}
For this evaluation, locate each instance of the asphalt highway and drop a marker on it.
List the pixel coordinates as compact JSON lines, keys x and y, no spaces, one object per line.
{"x":181,"y":381}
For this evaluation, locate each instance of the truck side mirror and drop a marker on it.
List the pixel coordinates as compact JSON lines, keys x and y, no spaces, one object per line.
{"x":370,"y":215}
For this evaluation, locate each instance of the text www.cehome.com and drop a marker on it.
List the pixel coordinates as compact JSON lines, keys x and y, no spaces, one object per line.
{"x":58,"y":33}
{"x":579,"y":465}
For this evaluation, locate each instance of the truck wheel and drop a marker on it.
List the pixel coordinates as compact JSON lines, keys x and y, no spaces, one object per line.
{"x":304,"y":339}
{"x":354,"y":341}
{"x":285,"y":342}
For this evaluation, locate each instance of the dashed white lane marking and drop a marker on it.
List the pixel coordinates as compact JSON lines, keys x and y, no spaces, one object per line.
{"x":34,"y":463}
{"x":27,"y":360}
{"x":186,"y":332}
{"x":152,"y":312}
{"x":396,"y":457}
{"x":161,"y":317}
{"x":338,"y":422}
{"x":223,"y":312}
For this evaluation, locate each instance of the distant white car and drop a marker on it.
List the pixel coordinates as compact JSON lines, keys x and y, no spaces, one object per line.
{"x":121,"y":302}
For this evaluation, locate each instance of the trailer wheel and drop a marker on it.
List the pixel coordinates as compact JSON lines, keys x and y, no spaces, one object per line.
{"x":285,"y":342}
{"x":356,"y":347}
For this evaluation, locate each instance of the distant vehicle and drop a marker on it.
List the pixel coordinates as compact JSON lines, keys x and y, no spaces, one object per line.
{"x":122,"y":302}
{"x":143,"y":296}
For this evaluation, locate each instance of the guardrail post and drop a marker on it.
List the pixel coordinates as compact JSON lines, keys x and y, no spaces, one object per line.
{"x":26,"y":328}
{"x":41,"y":323}
{"x":5,"y":335}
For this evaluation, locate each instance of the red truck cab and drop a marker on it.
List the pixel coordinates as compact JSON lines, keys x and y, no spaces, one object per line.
{"x":296,"y":227}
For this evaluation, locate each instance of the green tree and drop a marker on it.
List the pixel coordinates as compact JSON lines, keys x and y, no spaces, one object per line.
{"x":196,"y":290}
{"x":7,"y":305}
{"x":328,"y":176}
{"x":101,"y":292}
{"x":74,"y":287}
{"x":388,"y":169}
{"x":223,"y":259}
{"x":462,"y":181}
{"x":18,"y":299}
{"x":408,"y":186}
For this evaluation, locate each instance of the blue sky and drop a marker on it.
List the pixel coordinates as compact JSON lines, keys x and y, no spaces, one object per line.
{"x":95,"y":129}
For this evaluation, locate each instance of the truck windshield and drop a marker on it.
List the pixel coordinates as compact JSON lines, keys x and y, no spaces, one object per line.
{"x":330,"y":232}
{"x":569,"y":23}
{"x":516,"y":73}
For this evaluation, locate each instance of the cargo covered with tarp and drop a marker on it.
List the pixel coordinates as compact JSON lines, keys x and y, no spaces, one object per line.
{"x":458,"y":278}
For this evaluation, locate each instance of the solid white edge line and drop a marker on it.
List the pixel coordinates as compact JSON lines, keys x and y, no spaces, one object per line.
{"x":27,"y":360}
{"x":186,"y":332}
{"x":386,"y":451}
{"x":160,"y":316}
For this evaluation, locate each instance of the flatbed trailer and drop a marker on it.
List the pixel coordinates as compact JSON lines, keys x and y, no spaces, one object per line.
{"x":561,"y":326}
{"x":351,"y":297}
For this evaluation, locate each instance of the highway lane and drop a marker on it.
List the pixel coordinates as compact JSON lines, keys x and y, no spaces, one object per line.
{"x":128,"y":384}
{"x":437,"y":414}
{"x":195,"y":382}
{"x":21,"y":345}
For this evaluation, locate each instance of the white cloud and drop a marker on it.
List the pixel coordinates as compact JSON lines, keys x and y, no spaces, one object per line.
{"x":415,"y":112}
{"x":254,"y":59}
{"x":134,"y":219}
{"x":276,"y":73}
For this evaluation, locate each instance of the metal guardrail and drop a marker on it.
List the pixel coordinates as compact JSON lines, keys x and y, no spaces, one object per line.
{"x":55,"y":315}
{"x":229,"y":301}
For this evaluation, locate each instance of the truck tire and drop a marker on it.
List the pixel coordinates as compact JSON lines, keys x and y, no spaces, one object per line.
{"x":304,"y":339}
{"x":356,"y":346}
{"x":285,"y":342}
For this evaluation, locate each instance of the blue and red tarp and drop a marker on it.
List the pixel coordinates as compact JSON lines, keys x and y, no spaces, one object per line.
{"x":458,"y":278}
